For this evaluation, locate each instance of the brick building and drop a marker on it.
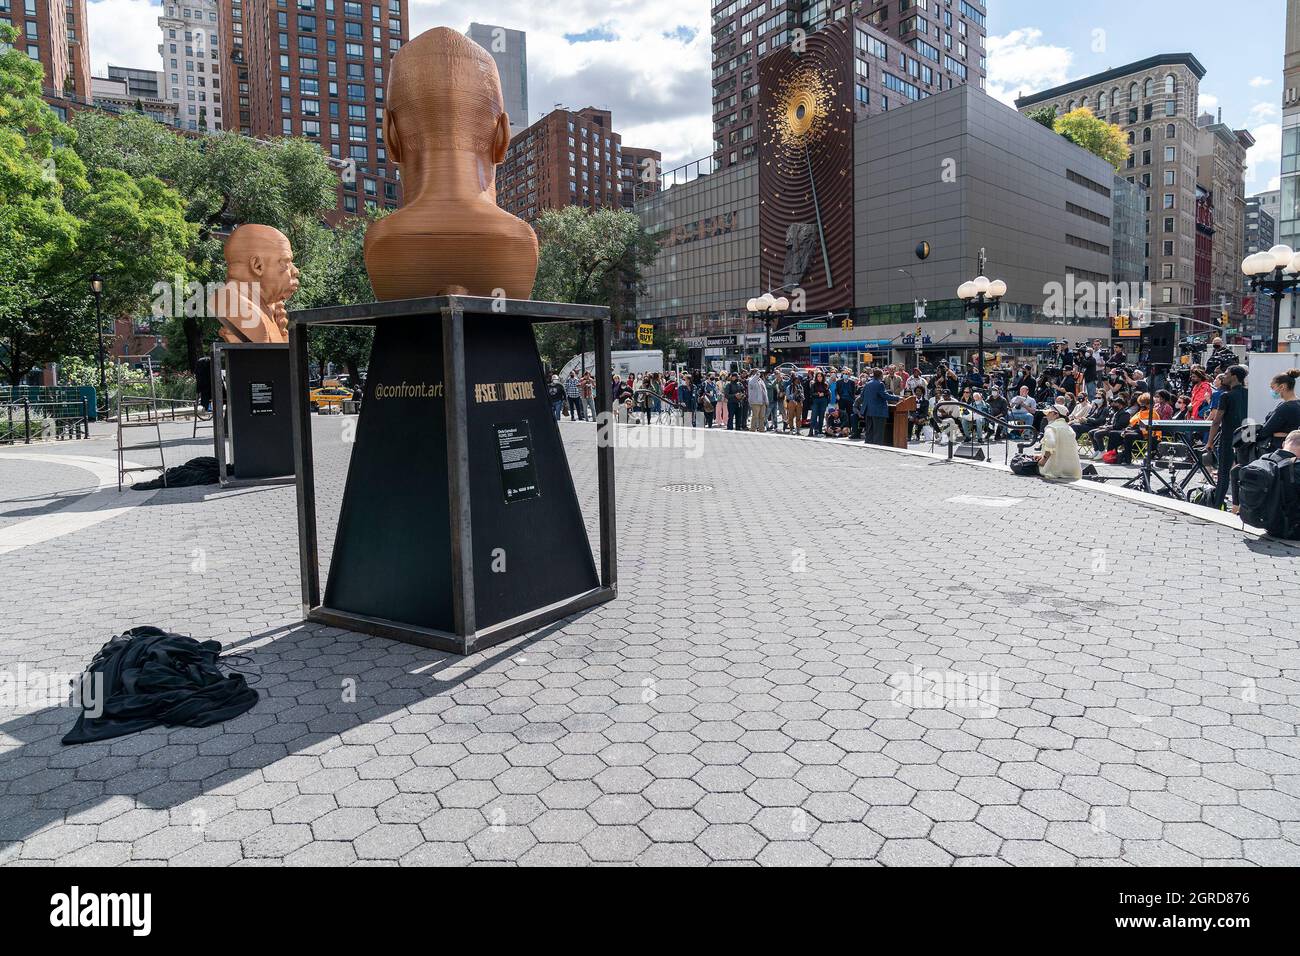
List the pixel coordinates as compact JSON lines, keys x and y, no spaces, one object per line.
{"x":53,"y":32}
{"x":568,"y":158}
{"x":318,"y":69}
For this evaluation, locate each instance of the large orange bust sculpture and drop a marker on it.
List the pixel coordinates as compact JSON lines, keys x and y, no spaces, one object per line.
{"x":260,"y":276}
{"x":445,"y":124}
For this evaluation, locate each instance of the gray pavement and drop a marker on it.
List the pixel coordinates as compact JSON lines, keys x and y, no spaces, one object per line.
{"x":819,"y":654}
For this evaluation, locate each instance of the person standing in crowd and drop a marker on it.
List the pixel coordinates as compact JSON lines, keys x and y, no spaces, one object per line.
{"x":1221,"y":357}
{"x":794,"y":400}
{"x":820,"y":397}
{"x":774,"y":399}
{"x":722,"y":410}
{"x":686,"y":399}
{"x":1089,"y":369}
{"x":1227,"y":418}
{"x":845,"y":392}
{"x":874,"y":403}
{"x":1285,"y":418}
{"x":555,"y":395}
{"x":1058,"y":459}
{"x":573,"y":395}
{"x":734,"y":394}
{"x":707,"y":399}
{"x":756,"y":393}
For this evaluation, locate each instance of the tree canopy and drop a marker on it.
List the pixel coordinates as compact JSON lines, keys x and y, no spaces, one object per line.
{"x":1082,"y":128}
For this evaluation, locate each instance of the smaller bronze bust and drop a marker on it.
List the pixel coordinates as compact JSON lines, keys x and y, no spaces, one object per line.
{"x":260,"y":276}
{"x":445,"y":123}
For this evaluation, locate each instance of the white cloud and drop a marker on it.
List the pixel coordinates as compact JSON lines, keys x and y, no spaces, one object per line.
{"x":1208,"y":103}
{"x":1019,"y":63}
{"x":124,"y":33}
{"x":1259,"y":81}
{"x":1264,"y":159}
{"x":1264,"y":110}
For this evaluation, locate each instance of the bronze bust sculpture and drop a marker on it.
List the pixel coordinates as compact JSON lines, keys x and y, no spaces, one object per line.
{"x":445,"y":124}
{"x":260,"y":276}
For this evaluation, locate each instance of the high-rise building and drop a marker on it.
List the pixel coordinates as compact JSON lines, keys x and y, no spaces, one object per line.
{"x":509,"y":49}
{"x":1154,"y":101}
{"x":78,"y":29}
{"x":318,"y":69}
{"x":54,"y":34}
{"x":1259,"y":236}
{"x":193,"y":68}
{"x":1288,"y":217}
{"x":921,"y":47}
{"x":1204,"y":258}
{"x":1221,"y":169}
{"x":641,"y":173}
{"x":567,"y":158}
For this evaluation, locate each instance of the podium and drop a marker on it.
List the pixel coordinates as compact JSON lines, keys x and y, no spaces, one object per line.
{"x":251,"y":411}
{"x":898,"y":421}
{"x":460,"y":526}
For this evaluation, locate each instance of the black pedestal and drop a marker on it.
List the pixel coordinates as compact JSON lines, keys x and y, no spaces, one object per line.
{"x":460,"y":526}
{"x":253,"y":411}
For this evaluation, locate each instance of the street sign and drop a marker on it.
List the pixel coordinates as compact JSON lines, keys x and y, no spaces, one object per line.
{"x":812,"y":324}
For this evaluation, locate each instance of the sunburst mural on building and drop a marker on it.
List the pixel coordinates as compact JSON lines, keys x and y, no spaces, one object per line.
{"x":805,"y":173}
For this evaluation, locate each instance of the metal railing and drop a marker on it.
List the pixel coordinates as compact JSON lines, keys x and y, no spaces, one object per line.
{"x":144,"y":408}
{"x":26,"y":421}
{"x":1034,"y":434}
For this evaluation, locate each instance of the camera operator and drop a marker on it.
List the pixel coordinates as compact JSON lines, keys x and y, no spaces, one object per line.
{"x":1221,"y":357}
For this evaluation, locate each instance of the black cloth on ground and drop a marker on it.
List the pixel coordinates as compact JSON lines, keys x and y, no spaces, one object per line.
{"x":151,"y":677}
{"x":196,"y":471}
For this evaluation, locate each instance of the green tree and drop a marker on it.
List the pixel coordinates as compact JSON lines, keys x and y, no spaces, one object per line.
{"x":38,"y":234}
{"x":1082,"y":128}
{"x":332,"y":262}
{"x":1044,"y":115}
{"x":226,"y":179}
{"x":591,"y":258}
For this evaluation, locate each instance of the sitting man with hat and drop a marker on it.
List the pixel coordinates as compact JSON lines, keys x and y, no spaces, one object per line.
{"x":1059,"y":457}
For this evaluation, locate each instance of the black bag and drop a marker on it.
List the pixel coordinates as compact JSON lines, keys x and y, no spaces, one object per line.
{"x":1024,"y":465}
{"x":1268,"y":495}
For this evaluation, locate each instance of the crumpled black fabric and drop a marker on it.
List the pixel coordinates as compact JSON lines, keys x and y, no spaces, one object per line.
{"x":151,"y":677}
{"x":196,"y":471}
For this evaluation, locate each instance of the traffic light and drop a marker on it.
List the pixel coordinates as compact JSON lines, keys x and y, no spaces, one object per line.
{"x":846,"y":324}
{"x":1121,"y":323}
{"x":1223,"y":317}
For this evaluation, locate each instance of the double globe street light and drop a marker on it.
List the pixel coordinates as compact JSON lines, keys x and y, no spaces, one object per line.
{"x":977,"y":295}
{"x":1276,"y":273}
{"x":767,"y":306}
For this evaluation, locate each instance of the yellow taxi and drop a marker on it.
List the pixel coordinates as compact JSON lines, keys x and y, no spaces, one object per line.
{"x":328,"y":396}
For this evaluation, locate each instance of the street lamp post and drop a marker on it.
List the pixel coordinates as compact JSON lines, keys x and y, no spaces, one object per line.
{"x":977,"y":295}
{"x":97,"y":290}
{"x":766,"y":306}
{"x":1276,"y":273}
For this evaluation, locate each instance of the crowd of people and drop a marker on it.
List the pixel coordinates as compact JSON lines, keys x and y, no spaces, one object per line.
{"x":1087,"y":401}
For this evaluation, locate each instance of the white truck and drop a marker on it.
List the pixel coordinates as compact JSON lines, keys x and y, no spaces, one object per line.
{"x":631,"y":362}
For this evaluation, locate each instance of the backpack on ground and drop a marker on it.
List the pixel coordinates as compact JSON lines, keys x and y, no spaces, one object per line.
{"x":1024,"y":465}
{"x":1268,"y":495}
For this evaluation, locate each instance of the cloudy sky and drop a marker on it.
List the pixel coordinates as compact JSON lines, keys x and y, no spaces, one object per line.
{"x":649,"y":62}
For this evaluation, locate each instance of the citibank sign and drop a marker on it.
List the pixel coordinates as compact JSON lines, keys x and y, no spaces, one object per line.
{"x":706,"y":228}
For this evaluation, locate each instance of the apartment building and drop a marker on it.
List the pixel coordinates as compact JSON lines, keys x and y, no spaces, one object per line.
{"x":1155,"y":102}
{"x":318,"y":69}
{"x":928,"y":46}
{"x":53,"y":33}
{"x":192,"y":64}
{"x":569,"y":158}
{"x":1221,"y":169}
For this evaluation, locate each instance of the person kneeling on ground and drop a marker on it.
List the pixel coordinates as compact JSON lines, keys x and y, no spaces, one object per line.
{"x":1059,"y":459}
{"x":836,"y":426}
